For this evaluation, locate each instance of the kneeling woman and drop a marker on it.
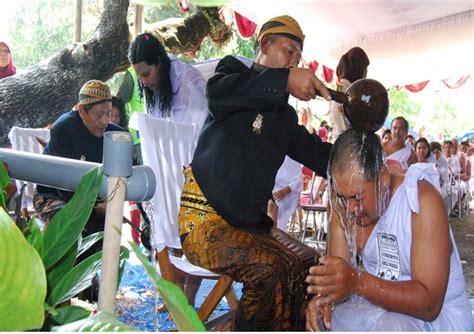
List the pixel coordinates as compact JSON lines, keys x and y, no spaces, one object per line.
{"x":410,"y":277}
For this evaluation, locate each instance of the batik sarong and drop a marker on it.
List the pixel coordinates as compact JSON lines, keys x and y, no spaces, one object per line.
{"x":274,"y":291}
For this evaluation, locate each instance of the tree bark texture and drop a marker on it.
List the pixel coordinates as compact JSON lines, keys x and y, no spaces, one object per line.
{"x":46,"y":90}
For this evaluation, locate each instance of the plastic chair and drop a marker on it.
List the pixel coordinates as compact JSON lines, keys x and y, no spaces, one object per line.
{"x":167,"y":147}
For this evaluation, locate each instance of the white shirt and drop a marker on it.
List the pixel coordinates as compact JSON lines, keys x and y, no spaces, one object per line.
{"x":387,"y":253}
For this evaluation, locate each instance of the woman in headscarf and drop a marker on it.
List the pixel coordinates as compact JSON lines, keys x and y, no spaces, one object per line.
{"x":352,"y":67}
{"x":7,"y":68}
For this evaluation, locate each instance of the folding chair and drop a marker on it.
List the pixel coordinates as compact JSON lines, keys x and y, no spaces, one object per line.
{"x":28,"y":140}
{"x":167,"y":147}
{"x":310,"y":207}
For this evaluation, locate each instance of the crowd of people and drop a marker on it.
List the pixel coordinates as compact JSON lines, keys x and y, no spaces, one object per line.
{"x":389,"y":206}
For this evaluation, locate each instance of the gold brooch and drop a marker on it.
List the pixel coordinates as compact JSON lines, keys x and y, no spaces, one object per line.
{"x":258,"y":124}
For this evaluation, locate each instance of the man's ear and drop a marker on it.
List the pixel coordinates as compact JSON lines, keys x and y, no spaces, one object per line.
{"x":81,"y":110}
{"x":265,"y":44}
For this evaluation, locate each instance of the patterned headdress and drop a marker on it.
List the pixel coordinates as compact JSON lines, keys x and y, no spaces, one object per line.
{"x":93,"y":92}
{"x":282,"y":25}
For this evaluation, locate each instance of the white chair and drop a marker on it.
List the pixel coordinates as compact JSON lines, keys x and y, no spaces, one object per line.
{"x":167,"y":147}
{"x":28,"y":140}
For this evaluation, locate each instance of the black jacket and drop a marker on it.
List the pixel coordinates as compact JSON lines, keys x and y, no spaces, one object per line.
{"x":234,"y":166}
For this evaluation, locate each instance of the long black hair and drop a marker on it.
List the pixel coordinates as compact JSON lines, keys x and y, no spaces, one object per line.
{"x":147,"y":48}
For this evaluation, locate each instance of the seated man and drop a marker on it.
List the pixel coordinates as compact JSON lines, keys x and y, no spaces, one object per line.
{"x":78,"y":134}
{"x":244,"y":140}
{"x":410,"y":277}
{"x":399,"y":153}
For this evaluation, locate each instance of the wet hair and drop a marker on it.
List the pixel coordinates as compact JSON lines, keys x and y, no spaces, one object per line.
{"x":118,"y":103}
{"x":147,"y":48}
{"x":352,"y":65}
{"x":423,"y":140}
{"x":400,"y":118}
{"x":434,"y":145}
{"x":364,"y":149}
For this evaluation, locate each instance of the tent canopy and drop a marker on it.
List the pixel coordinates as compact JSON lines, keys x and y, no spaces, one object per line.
{"x":407,"y":41}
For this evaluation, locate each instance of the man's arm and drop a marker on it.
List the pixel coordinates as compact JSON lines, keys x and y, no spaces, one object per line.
{"x":423,"y":296}
{"x":235,"y":88}
{"x":61,"y":143}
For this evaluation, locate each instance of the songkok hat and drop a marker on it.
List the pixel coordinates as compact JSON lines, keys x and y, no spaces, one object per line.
{"x":282,"y":25}
{"x":93,"y":92}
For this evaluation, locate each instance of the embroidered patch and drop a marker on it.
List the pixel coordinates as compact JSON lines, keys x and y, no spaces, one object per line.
{"x":388,"y":257}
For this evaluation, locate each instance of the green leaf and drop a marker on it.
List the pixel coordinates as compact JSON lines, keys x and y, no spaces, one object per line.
{"x":4,"y":178}
{"x":124,"y":255}
{"x":76,"y":280}
{"x":66,"y":226}
{"x":100,"y":322}
{"x":3,"y":199}
{"x":79,"y":278}
{"x":22,"y":280}
{"x":70,"y":313}
{"x":4,"y":183}
{"x":34,"y":236}
{"x":55,"y":273}
{"x":184,"y":315}
{"x":88,"y":241}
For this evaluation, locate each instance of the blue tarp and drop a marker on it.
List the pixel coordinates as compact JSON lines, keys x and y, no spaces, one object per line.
{"x":137,"y":300}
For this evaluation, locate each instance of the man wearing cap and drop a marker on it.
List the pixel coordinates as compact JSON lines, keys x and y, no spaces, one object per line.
{"x":78,"y":134}
{"x":244,"y":140}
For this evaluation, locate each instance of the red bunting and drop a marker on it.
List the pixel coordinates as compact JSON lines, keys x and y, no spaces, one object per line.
{"x":245,"y":27}
{"x":183,"y":6}
{"x":458,"y":83}
{"x":313,"y":65}
{"x":415,"y":88}
{"x":328,"y":74}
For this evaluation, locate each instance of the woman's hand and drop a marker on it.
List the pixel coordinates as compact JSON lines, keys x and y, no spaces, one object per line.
{"x":333,"y":280}
{"x":314,"y":313}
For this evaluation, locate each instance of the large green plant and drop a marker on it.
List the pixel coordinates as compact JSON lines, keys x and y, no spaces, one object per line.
{"x":38,"y":271}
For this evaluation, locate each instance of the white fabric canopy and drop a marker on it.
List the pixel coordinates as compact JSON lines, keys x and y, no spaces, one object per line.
{"x":407,"y":41}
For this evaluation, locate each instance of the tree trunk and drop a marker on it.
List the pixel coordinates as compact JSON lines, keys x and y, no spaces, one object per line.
{"x":40,"y":95}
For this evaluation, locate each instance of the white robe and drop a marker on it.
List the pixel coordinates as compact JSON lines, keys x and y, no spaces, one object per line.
{"x":387,"y":254}
{"x":402,"y":155}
